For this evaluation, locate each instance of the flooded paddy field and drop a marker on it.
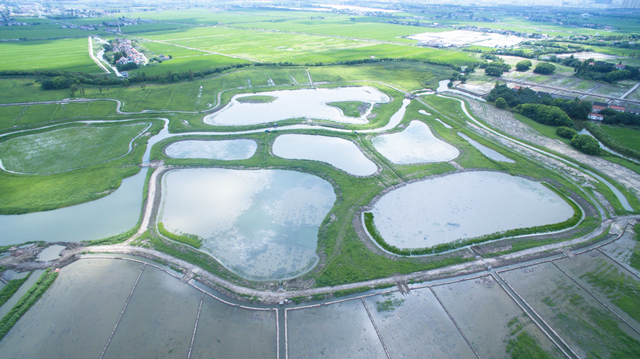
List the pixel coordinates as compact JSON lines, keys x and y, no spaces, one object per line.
{"x":105,"y":217}
{"x":488,"y":152}
{"x":489,"y":318}
{"x":159,"y":318}
{"x":212,"y":150}
{"x":622,"y":250}
{"x":340,"y":330}
{"x":261,"y":224}
{"x":416,"y":326}
{"x":464,"y":205}
{"x":289,"y":104}
{"x":581,"y":321}
{"x":607,"y":281}
{"x":415,"y":144}
{"x":233,"y":332}
{"x":338,"y":152}
{"x":76,"y":315}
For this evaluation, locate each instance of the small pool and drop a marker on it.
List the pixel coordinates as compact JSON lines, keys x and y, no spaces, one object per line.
{"x":416,"y":144}
{"x":492,"y":154}
{"x":464,"y":205}
{"x":338,"y":152}
{"x":213,"y":150}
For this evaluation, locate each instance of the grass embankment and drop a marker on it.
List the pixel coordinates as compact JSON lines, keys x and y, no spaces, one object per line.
{"x":33,"y":193}
{"x":256,"y":99}
{"x":27,"y":301}
{"x":189,"y":239}
{"x":68,"y":148}
{"x":351,"y":108}
{"x":12,"y":287}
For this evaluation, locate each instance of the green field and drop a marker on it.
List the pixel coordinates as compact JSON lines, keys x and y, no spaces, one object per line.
{"x":66,"y":54}
{"x":351,"y":108}
{"x":47,"y":29}
{"x":627,"y":137}
{"x":68,"y":148}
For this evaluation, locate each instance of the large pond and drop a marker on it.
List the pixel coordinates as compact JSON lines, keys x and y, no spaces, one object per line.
{"x":491,"y":153}
{"x":260,"y":224}
{"x":416,"y":144}
{"x":304,"y":103}
{"x":104,"y":217}
{"x":464,"y":205}
{"x":338,"y":152}
{"x":213,"y":150}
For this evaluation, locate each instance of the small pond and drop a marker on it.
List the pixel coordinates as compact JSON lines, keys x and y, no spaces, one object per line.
{"x":289,"y":104}
{"x":261,"y":224}
{"x":464,"y":205}
{"x":102,"y":218}
{"x":50,"y":253}
{"x":492,"y":154}
{"x":416,"y":144}
{"x":338,"y":152}
{"x":213,"y":150}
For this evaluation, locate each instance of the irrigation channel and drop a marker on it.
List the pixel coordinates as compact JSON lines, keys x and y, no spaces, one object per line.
{"x":156,"y":308}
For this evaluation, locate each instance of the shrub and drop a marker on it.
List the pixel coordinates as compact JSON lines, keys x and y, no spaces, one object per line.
{"x":586,"y":144}
{"x":501,"y":103}
{"x":566,"y":132}
{"x":494,"y":71}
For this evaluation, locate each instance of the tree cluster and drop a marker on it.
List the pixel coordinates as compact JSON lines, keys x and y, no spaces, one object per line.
{"x":546,"y":115}
{"x":613,"y":117}
{"x":586,"y":144}
{"x":544,"y":68}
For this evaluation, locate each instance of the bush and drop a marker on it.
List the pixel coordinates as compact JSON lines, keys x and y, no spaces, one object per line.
{"x":544,"y":68}
{"x":523,"y":65}
{"x":586,"y":144}
{"x":501,"y":103}
{"x":190,"y":239}
{"x":566,"y":132}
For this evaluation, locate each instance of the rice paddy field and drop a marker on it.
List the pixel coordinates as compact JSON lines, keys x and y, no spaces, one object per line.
{"x":63,"y":54}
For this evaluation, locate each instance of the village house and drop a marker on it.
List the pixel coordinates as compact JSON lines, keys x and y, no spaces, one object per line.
{"x":596,"y":116}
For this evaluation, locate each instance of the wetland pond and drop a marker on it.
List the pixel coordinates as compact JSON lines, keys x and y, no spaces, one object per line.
{"x":488,"y":152}
{"x":213,"y":150}
{"x":464,"y":205}
{"x":338,"y":152}
{"x":261,"y":224}
{"x":289,"y":104}
{"x":116,"y":213}
{"x":416,"y":144}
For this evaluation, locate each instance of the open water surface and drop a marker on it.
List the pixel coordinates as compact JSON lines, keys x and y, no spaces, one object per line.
{"x":213,"y":150}
{"x":415,"y":144}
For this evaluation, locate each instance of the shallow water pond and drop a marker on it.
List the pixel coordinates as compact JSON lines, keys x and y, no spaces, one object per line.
{"x":50,"y":253}
{"x":213,"y":150}
{"x":102,"y":218}
{"x":464,"y":205}
{"x":416,"y":144}
{"x":303,"y":103}
{"x":492,"y":154}
{"x":338,"y":152}
{"x":261,"y":224}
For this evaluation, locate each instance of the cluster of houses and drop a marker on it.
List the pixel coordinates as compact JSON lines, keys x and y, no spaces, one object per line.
{"x":8,"y":22}
{"x":599,"y":106}
{"x":81,"y":27}
{"x":124,"y":46}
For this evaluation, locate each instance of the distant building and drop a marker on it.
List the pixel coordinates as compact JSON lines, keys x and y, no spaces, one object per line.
{"x":596,"y":116}
{"x":617,"y":108}
{"x":597,"y":109}
{"x":620,"y":67}
{"x":633,"y":110}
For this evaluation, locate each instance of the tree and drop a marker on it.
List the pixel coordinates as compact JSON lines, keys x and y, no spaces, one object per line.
{"x":501,"y":103}
{"x":523,"y":65}
{"x":493,"y":71}
{"x":450,"y":84}
{"x":463,"y":79}
{"x":544,"y":68}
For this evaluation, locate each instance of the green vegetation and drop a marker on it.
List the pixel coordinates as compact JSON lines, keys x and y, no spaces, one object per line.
{"x":351,"y":108}
{"x":566,"y":132}
{"x":621,"y":140}
{"x":523,"y":65}
{"x":65,"y":55}
{"x":189,"y":239}
{"x":389,"y":305}
{"x":20,"y":117}
{"x":586,"y":144}
{"x":11,"y":288}
{"x":634,"y":261}
{"x":27,"y":301}
{"x":256,"y":99}
{"x":544,"y":68}
{"x":68,"y":148}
